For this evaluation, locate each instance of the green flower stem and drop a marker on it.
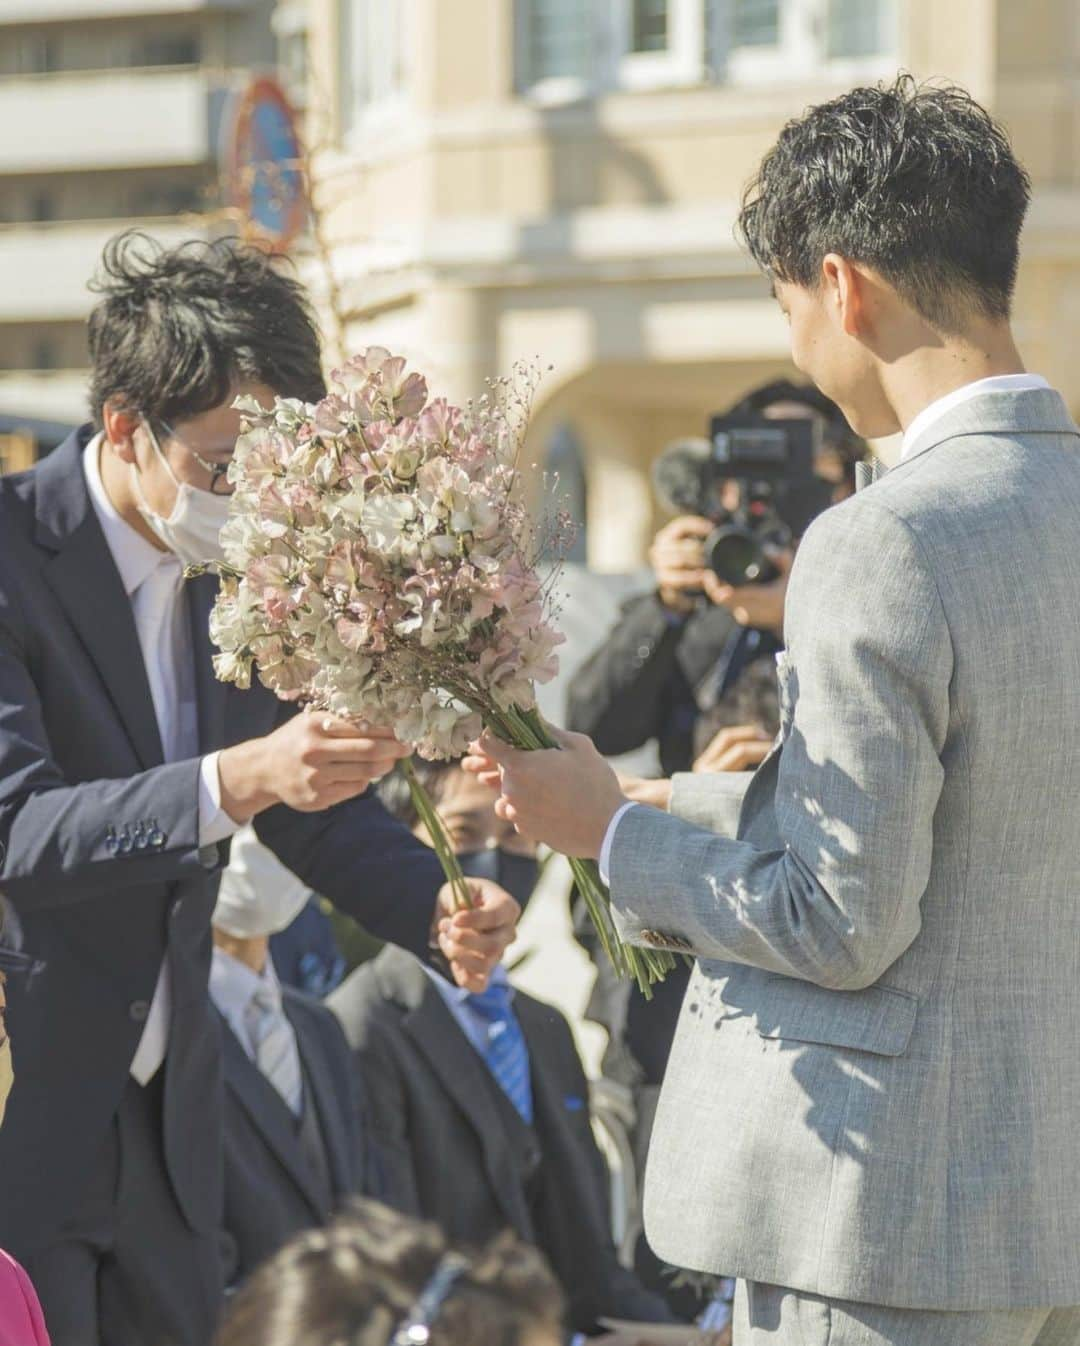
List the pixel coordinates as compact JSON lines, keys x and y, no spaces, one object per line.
{"x":526,"y":729}
{"x":436,"y":830}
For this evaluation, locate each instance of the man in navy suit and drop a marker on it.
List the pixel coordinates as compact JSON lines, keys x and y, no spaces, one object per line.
{"x":478,"y":1105}
{"x":124,"y":769}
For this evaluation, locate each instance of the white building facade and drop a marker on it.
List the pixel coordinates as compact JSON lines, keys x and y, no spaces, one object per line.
{"x":110,"y":118}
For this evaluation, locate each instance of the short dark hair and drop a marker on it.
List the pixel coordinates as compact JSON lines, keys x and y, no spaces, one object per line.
{"x":176,"y":328}
{"x":916,"y":180}
{"x":355,"y":1281}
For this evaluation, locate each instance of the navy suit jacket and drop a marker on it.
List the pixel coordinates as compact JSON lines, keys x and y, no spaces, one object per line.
{"x":443,"y":1148}
{"x":270,"y":1192}
{"x":80,"y":762}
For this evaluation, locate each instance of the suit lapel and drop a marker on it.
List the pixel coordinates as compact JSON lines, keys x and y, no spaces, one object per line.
{"x":211,"y":693}
{"x":550,"y":1083}
{"x":268,"y":1114}
{"x":464,"y":1077}
{"x":324,"y":1100}
{"x":84,"y":578}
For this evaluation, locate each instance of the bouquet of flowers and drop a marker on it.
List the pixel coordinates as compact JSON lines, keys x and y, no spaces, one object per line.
{"x":380,"y":566}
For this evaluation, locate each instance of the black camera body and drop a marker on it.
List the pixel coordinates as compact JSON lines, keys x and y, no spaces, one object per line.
{"x":754,"y":478}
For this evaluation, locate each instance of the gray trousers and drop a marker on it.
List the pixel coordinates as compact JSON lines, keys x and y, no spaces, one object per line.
{"x":771,"y":1315}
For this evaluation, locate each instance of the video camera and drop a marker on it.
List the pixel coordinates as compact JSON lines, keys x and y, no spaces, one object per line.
{"x":770,"y":463}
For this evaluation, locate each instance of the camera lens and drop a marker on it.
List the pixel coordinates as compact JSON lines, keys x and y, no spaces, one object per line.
{"x":734,"y":556}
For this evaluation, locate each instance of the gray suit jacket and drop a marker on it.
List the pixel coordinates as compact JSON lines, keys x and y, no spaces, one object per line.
{"x":874,"y":1091}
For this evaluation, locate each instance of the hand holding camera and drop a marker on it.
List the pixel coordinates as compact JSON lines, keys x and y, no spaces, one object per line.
{"x":677,"y":557}
{"x":758,"y":605}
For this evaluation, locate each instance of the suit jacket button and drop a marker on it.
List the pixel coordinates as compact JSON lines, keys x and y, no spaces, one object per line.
{"x":138,"y":1011}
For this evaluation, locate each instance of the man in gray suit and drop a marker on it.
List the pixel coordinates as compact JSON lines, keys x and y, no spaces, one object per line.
{"x":872,"y":1109}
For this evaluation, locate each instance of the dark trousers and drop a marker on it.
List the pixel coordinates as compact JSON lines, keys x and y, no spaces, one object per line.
{"x":126,"y":1269}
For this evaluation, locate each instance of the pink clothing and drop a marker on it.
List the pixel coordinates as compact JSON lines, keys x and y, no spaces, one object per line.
{"x":21,"y":1320}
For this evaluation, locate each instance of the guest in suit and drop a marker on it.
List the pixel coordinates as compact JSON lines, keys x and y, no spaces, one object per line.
{"x":870,"y":1109}
{"x":478,"y":1104}
{"x":124,"y":767}
{"x":21,"y":1320}
{"x":293,"y":1143}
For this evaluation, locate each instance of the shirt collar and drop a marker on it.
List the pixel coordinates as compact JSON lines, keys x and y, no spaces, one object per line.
{"x":135,"y":558}
{"x":233,"y":983}
{"x":998,"y":383}
{"x":458,"y":995}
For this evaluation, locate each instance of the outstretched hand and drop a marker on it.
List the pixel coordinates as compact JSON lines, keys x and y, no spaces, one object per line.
{"x":564,"y":796}
{"x":473,"y":941}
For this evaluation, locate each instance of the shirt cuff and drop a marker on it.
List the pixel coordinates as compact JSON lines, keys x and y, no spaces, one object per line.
{"x":609,"y":839}
{"x":214,"y":823}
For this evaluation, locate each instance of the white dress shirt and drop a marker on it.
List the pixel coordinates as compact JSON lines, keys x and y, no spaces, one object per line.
{"x":232,"y":985}
{"x":456,"y":999}
{"x":999,"y":383}
{"x":153,"y":581}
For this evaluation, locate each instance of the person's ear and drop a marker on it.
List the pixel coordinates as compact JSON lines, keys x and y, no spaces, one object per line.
{"x":846,"y":293}
{"x":120,"y":424}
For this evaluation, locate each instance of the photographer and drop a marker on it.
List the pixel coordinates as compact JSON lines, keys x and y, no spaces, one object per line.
{"x":679,"y":650}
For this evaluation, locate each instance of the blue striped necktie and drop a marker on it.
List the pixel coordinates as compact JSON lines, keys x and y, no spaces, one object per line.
{"x":507,"y":1053}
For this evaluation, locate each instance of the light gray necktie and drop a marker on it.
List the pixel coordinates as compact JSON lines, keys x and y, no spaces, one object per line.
{"x":274,"y":1041}
{"x":869,"y":471}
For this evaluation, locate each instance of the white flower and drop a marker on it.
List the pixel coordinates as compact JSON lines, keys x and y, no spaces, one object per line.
{"x":384,"y":519}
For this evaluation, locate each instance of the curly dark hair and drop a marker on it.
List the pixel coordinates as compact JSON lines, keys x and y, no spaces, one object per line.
{"x":352,"y":1283}
{"x":176,"y":328}
{"x":915,"y":180}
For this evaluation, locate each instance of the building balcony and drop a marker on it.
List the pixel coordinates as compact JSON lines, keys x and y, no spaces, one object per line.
{"x":44,"y":269}
{"x":49,"y":11}
{"x":113,"y":119}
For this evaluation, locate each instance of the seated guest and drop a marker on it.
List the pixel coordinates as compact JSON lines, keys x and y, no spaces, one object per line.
{"x":21,"y":1320}
{"x":293,"y":1150}
{"x":376,"y":1278}
{"x":478,"y":1104}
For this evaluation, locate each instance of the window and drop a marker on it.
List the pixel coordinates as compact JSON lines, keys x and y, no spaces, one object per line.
{"x":39,"y":55}
{"x":777,"y":40}
{"x":566,"y":467}
{"x":569,"y":48}
{"x":649,"y":25}
{"x":557,"y":41}
{"x":573,"y":48}
{"x":167,"y":49}
{"x":373,"y":74}
{"x":857,"y":28}
{"x":755,"y":23}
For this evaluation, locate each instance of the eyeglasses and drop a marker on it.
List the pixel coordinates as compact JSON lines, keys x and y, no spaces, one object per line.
{"x":23,"y":966}
{"x":219,"y":472}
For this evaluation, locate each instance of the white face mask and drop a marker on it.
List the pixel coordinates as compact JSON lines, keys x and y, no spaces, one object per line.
{"x":258,"y":895}
{"x":193,"y":529}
